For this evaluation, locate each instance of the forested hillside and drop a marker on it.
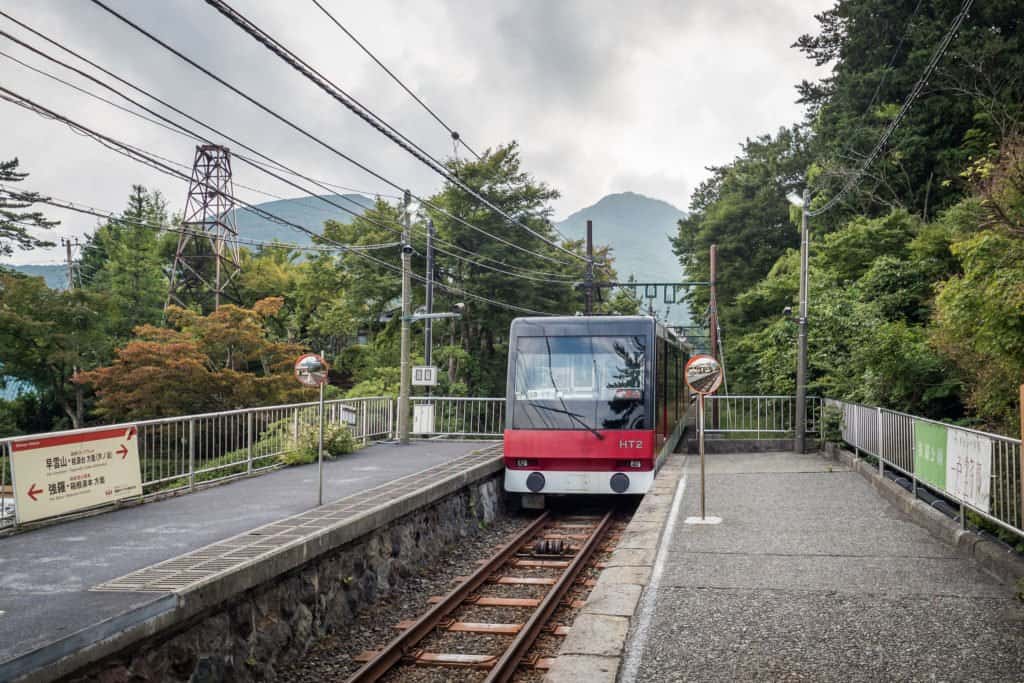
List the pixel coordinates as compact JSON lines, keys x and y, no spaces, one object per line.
{"x":917,"y":274}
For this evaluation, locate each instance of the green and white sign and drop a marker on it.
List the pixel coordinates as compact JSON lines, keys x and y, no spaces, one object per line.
{"x":930,"y":453}
{"x":955,"y":461}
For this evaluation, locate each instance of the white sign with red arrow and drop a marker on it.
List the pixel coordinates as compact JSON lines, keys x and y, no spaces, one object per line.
{"x":55,"y":475}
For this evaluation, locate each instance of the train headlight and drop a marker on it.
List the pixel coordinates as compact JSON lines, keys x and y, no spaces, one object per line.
{"x":522,"y":462}
{"x":635,"y":464}
{"x":619,"y":482}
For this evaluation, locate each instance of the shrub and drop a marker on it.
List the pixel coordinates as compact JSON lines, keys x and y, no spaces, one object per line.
{"x":338,"y":440}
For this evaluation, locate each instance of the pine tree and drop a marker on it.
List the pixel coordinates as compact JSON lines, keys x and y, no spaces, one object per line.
{"x":15,"y":222}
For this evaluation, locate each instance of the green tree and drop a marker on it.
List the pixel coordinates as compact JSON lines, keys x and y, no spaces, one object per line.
{"x":744,"y":210}
{"x":15,"y":221}
{"x":878,"y":50}
{"x":124,"y":259}
{"x":48,"y":336}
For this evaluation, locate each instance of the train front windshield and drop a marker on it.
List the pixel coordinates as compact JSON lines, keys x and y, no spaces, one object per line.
{"x":592,"y":382}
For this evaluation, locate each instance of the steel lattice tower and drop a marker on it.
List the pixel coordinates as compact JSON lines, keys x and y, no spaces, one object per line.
{"x":207,"y":259}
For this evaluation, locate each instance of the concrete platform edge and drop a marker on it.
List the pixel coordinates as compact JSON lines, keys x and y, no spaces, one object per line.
{"x":90,"y":645}
{"x":596,"y":644}
{"x":996,"y":559}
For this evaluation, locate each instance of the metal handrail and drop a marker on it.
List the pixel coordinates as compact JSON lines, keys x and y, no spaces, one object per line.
{"x":888,"y":436}
{"x":188,"y":449}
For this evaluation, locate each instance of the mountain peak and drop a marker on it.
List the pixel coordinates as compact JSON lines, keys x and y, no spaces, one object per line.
{"x":638,"y":228}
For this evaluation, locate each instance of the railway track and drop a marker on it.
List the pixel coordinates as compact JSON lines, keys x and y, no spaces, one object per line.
{"x":546,"y":559}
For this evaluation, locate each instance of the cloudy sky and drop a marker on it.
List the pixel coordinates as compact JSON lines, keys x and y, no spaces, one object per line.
{"x":603,"y":95}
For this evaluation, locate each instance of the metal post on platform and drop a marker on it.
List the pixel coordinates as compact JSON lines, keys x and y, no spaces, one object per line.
{"x":1020,"y":508}
{"x":320,"y":448}
{"x":713,"y":322}
{"x":403,"y":384}
{"x":700,"y":448}
{"x":801,"y":347}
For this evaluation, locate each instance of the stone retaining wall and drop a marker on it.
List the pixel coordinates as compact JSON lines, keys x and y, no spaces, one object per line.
{"x":249,"y":635}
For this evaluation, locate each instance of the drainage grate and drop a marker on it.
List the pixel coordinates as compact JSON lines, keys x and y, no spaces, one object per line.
{"x":181,"y":573}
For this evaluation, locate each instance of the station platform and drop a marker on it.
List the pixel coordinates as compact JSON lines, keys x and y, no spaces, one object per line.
{"x":811,"y":575}
{"x":49,"y":605}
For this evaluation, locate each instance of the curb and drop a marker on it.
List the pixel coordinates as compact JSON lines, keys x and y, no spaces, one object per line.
{"x":996,"y":559}
{"x":594,"y":648}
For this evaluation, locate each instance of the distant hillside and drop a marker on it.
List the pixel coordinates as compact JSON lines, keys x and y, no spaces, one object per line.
{"x":637,"y":228}
{"x":308,"y":212}
{"x":56,"y":276}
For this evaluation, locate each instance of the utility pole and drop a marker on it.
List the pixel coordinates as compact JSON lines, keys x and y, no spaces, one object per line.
{"x":713,"y":322}
{"x":71,"y":265}
{"x":428,"y":331}
{"x":589,"y":276}
{"x":801,"y":340}
{"x":403,"y":390}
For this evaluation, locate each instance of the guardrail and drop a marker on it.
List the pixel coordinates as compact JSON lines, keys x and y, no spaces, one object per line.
{"x":177,"y":453}
{"x":754,"y":417}
{"x":981,"y":471}
{"x":457,"y":416}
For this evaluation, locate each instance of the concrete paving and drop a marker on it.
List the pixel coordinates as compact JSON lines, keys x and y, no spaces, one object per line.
{"x":46,"y":574}
{"x":813,"y":576}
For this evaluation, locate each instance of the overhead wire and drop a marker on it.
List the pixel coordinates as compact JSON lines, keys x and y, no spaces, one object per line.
{"x":112,"y":216}
{"x":915,"y":92}
{"x":134,"y":154}
{"x":366,"y":114}
{"x":457,"y":139}
{"x":526,"y":273}
{"x":293,"y":125}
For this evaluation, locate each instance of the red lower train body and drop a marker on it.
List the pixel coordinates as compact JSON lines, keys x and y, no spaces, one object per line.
{"x":594,"y":404}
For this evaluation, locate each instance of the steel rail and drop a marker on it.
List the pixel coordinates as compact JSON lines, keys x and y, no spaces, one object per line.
{"x":402,"y":644}
{"x":506,"y":667}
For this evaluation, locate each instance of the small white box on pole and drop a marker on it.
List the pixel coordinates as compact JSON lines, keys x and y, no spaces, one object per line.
{"x":424,"y":376}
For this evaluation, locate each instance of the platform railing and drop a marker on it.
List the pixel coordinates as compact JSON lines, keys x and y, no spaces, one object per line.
{"x":757,"y":417}
{"x":179,"y":453}
{"x":447,"y":416}
{"x":891,"y":437}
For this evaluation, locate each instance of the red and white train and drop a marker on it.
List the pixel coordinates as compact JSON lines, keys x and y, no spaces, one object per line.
{"x":593,"y":405}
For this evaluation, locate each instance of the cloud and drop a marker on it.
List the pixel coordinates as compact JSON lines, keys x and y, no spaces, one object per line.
{"x":603,"y":96}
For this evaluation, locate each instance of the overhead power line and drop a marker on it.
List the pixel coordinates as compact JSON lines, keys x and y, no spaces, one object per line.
{"x":453,"y":133}
{"x":113,"y":217}
{"x":319,"y":141}
{"x":141,"y":157}
{"x":272,"y":163}
{"x":365,"y":113}
{"x":940,"y":50}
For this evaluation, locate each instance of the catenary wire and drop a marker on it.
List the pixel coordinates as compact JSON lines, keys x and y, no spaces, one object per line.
{"x":525,"y":273}
{"x":940,"y":50}
{"x":297,"y":128}
{"x":115,"y":145}
{"x":454,"y":135}
{"x":366,"y":114}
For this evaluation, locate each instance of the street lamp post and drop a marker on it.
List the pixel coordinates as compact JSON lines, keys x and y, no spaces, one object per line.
{"x":801,"y":343}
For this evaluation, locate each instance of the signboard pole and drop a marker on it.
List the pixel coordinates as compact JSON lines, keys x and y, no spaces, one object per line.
{"x":1020,"y":507}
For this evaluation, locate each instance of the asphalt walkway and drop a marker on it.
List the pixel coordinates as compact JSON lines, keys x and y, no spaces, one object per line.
{"x":812,"y":576}
{"x":46,"y":574}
